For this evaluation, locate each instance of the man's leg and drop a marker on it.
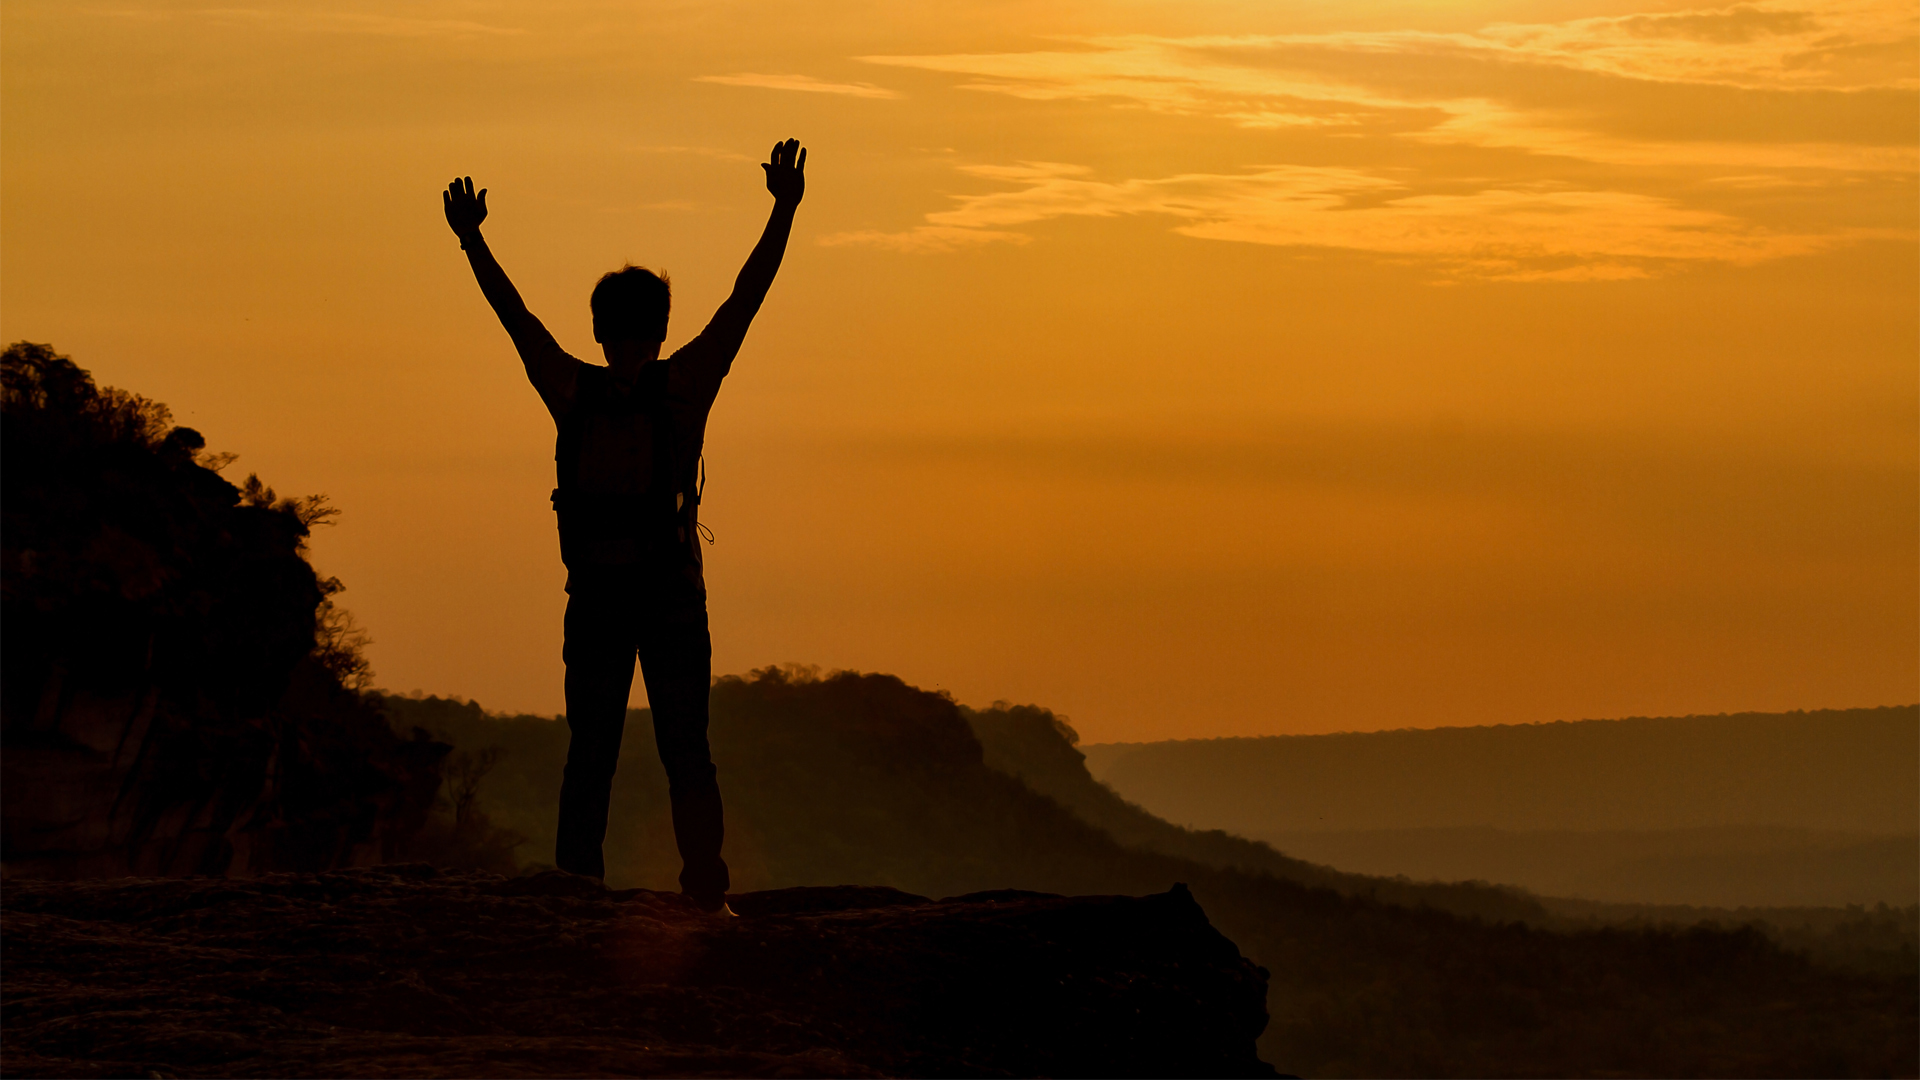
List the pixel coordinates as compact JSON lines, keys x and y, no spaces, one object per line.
{"x":676,"y":659}
{"x":599,"y":653}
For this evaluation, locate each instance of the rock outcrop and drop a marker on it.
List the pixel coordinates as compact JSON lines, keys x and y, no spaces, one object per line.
{"x":406,"y":970}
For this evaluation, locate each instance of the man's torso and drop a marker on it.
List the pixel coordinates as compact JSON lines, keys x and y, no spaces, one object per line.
{"x":627,"y":459}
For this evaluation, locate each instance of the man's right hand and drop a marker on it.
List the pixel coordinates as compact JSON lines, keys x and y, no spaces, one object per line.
{"x":465,"y":210}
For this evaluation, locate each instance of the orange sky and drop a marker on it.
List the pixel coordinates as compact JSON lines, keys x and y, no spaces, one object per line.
{"x":1191,"y":368}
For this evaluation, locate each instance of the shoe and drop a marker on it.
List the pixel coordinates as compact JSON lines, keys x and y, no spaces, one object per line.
{"x":721,"y":914}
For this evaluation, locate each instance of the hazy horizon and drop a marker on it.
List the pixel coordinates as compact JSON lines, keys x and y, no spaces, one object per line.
{"x":1194,"y":369}
{"x":1107,"y":744}
{"x":1848,"y":771}
{"x":1086,"y":744}
{"x":1783,"y":809}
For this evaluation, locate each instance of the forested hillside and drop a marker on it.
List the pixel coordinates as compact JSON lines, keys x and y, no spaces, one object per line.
{"x":181,"y":696}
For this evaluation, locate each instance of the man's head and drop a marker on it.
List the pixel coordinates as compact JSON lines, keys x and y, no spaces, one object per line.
{"x":631,"y":304}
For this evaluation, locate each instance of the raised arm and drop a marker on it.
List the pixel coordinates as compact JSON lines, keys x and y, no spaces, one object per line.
{"x":787,"y":182}
{"x":550,"y":369}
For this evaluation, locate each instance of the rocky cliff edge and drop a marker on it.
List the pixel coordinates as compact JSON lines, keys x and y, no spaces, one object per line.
{"x":410,"y":971}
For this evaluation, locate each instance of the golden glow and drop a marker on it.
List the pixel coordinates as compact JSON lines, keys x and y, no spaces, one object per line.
{"x":1192,"y":368}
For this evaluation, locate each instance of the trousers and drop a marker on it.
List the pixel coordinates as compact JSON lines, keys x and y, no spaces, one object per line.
{"x":660,"y":618}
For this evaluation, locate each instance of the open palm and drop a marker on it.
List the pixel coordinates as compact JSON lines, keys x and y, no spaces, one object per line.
{"x":465,"y":210}
{"x":786,"y":176}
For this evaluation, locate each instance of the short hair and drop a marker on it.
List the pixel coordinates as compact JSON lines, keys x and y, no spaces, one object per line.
{"x":631,"y":302}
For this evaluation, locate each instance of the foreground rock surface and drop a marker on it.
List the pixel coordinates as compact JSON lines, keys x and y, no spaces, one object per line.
{"x":408,"y":971}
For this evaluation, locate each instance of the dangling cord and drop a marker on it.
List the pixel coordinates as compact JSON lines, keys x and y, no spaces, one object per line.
{"x":701,"y":489}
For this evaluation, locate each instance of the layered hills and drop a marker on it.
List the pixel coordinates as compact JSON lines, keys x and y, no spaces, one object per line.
{"x":1802,"y":808}
{"x":862,"y":778}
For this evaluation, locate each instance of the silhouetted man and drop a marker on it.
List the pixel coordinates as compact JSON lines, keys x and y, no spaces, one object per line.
{"x":628,"y":496}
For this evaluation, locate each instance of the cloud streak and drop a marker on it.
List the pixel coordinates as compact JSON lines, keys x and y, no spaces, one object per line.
{"x":1515,"y":233}
{"x":1836,"y":46}
{"x":1831,"y":79}
{"x":1813,"y":96}
{"x":924,"y":239}
{"x":803,"y":83}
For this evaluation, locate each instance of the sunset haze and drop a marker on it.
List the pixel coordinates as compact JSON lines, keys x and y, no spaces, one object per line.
{"x":1193,"y":369}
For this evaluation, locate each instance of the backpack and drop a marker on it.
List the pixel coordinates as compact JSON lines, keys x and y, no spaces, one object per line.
{"x":663,"y":520}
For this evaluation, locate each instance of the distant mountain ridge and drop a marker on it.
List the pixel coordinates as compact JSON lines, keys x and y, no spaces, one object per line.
{"x":1851,"y":770}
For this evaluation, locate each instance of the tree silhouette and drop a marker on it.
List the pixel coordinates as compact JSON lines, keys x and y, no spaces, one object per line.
{"x":174,"y":667}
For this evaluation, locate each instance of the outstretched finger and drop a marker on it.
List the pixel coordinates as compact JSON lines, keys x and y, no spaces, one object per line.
{"x":800,"y":163}
{"x":774,"y":157}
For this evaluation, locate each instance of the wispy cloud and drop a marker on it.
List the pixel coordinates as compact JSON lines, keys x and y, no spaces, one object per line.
{"x":1841,"y":72}
{"x":1846,"y":45}
{"x":1538,"y":232}
{"x":805,"y":83}
{"x":923,"y":239}
{"x":1814,"y":95}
